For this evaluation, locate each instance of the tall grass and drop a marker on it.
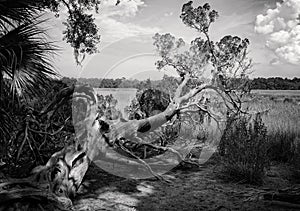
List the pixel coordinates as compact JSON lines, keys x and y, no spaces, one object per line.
{"x":243,"y":149}
{"x":247,"y":146}
{"x":282,"y":120}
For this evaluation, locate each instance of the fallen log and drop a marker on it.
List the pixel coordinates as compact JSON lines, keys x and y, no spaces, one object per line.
{"x":95,"y":139}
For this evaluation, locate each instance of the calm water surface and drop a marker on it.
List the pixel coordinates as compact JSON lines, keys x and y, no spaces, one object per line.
{"x":124,"y":96}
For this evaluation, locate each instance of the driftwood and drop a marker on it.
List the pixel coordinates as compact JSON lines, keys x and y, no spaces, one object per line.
{"x":50,"y":185}
{"x":96,"y":139}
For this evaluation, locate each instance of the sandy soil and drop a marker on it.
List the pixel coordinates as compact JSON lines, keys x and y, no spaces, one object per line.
{"x":189,"y":190}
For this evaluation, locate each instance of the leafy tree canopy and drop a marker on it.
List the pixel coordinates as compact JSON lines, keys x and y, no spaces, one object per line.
{"x":81,"y":31}
{"x":227,"y":59}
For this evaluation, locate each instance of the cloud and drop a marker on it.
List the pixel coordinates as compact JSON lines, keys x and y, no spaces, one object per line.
{"x":280,"y":26}
{"x":114,"y":30}
{"x":126,"y":8}
{"x":168,"y":14}
{"x":275,"y":61}
{"x":111,"y":21}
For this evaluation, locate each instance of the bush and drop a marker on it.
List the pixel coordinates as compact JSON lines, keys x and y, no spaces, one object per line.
{"x":243,"y":149}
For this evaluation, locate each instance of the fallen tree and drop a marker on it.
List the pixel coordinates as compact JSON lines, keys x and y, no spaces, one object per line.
{"x":99,"y":139}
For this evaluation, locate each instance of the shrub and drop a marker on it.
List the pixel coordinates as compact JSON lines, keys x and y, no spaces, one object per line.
{"x":243,"y":149}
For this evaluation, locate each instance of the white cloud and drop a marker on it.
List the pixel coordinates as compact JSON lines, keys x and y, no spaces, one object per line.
{"x":281,"y":29}
{"x":127,"y":8}
{"x":112,"y":28}
{"x":275,"y":61}
{"x":168,"y":14}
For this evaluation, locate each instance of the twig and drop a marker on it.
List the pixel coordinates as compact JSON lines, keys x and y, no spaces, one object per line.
{"x":50,"y":134}
{"x":142,"y":162}
{"x":23,"y":142}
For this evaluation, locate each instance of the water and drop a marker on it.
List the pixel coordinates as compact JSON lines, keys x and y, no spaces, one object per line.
{"x":124,"y":96}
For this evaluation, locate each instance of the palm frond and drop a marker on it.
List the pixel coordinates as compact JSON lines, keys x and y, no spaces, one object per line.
{"x":17,"y":11}
{"x":25,"y":57}
{"x":6,"y":124}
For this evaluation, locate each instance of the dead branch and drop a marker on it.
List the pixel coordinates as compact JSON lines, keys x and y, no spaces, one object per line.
{"x":139,"y":160}
{"x":179,"y":89}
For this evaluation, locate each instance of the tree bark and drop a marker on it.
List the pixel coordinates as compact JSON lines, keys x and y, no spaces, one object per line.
{"x":64,"y":172}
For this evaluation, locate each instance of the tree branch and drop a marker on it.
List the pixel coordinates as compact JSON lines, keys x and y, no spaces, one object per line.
{"x":211,"y":49}
{"x":179,"y":89}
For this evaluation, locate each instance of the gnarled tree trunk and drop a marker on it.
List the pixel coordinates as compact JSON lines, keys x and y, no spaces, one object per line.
{"x":61,"y":177}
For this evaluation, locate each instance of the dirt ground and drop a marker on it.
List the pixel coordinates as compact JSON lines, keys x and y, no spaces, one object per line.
{"x":192,"y":189}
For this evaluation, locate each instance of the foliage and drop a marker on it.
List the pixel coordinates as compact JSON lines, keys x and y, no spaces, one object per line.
{"x":148,"y":103}
{"x":81,"y":31}
{"x":198,"y":18}
{"x":118,"y":83}
{"x":24,"y":52}
{"x":24,"y":57}
{"x":18,"y":11}
{"x":35,"y":137}
{"x":168,"y":84}
{"x":276,"y":83}
{"x":109,"y":83}
{"x":107,"y":107}
{"x":282,"y":122}
{"x":191,"y":61}
{"x":228,"y":55}
{"x":243,"y":149}
{"x":223,"y":65}
{"x":152,"y":101}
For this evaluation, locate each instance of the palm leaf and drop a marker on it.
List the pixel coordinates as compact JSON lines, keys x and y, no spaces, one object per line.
{"x":17,"y":11}
{"x":6,"y":124}
{"x":25,"y":58}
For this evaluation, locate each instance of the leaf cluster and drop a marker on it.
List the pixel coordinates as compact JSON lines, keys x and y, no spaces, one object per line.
{"x":198,"y":18}
{"x":81,"y":31}
{"x":176,"y":54}
{"x":224,"y":64}
{"x":24,"y":51}
{"x":32,"y":137}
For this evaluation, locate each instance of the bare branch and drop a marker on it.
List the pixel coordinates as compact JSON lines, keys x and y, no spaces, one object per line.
{"x":46,"y":133}
{"x":179,"y":89}
{"x":196,"y":90}
{"x":211,"y":49}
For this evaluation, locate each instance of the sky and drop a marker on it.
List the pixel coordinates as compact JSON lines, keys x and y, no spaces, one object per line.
{"x":126,"y":48}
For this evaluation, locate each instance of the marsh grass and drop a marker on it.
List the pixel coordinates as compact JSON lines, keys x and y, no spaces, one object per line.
{"x":248,"y":147}
{"x":282,"y":120}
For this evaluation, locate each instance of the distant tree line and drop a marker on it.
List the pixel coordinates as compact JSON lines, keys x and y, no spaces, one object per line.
{"x":274,"y":83}
{"x":118,"y":83}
